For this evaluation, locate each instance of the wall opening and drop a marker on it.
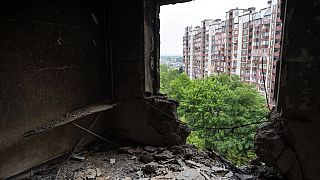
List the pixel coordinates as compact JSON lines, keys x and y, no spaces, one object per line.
{"x":220,"y":62}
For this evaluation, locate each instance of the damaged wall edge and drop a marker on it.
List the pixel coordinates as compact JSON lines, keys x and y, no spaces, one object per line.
{"x":291,"y":140}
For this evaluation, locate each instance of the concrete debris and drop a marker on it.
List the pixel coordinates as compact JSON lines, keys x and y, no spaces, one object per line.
{"x":190,"y":174}
{"x":162,"y":117}
{"x":205,"y":175}
{"x":193,"y":164}
{"x":77,"y":157}
{"x":244,"y":176}
{"x":146,"y":158}
{"x":165,"y":155}
{"x":218,"y":169}
{"x":181,"y":163}
{"x":112,"y":161}
{"x":99,"y":173}
{"x":79,"y":175}
{"x":150,"y":149}
{"x":150,"y":168}
{"x":153,"y":163}
{"x":229,"y":174}
{"x":90,"y":174}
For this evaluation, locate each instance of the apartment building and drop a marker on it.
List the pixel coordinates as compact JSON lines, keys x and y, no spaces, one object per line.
{"x":246,"y":43}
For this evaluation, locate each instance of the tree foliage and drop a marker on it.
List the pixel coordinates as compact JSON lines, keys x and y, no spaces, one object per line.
{"x":210,"y":105}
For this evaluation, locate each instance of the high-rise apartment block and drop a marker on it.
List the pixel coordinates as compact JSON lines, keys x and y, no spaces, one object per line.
{"x":246,"y":43}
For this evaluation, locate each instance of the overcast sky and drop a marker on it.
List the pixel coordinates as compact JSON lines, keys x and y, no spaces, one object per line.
{"x":174,"y":18}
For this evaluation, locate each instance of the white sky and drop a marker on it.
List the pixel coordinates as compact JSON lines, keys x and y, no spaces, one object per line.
{"x":174,"y":18}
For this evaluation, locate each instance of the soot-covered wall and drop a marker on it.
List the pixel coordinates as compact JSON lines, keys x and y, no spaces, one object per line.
{"x":291,"y":141}
{"x":59,"y":56}
{"x":52,"y":61}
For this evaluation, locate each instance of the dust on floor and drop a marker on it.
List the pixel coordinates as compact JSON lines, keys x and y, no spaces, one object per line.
{"x":147,"y":163}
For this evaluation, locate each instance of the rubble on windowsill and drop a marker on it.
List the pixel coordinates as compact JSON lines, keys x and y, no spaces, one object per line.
{"x":146,"y":163}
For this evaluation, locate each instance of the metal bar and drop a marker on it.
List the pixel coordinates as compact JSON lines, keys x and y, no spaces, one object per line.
{"x":86,"y":133}
{"x":94,"y":134}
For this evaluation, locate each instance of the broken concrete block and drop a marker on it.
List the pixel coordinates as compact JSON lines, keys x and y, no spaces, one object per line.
{"x":229,"y":174}
{"x":112,"y":161}
{"x":146,"y":158}
{"x":90,"y":174}
{"x":150,"y":168}
{"x":99,"y":173}
{"x":79,"y":175}
{"x":169,"y":128}
{"x":150,"y":149}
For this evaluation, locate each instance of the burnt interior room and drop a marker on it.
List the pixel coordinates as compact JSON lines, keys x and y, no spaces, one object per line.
{"x":69,"y":66}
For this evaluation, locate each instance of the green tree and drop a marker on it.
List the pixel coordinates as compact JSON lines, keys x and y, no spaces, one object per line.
{"x":166,"y":76}
{"x":210,"y":105}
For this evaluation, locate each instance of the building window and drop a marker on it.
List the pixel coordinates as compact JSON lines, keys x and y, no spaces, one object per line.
{"x":245,"y":25}
{"x":244,"y":45}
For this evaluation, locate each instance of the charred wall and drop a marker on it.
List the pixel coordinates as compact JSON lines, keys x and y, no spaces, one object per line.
{"x":291,"y":141}
{"x":140,"y":117}
{"x":52,"y":61}
{"x":59,"y":56}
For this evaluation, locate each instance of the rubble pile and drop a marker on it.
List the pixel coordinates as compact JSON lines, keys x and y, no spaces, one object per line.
{"x":146,"y":163}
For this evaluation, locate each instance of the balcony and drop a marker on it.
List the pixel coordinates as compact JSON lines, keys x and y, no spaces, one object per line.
{"x":266,"y":21}
{"x":278,"y":20}
{"x":278,"y":37}
{"x":278,"y":28}
{"x":277,"y":45}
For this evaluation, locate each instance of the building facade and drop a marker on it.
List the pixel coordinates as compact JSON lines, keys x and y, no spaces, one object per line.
{"x":246,"y":43}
